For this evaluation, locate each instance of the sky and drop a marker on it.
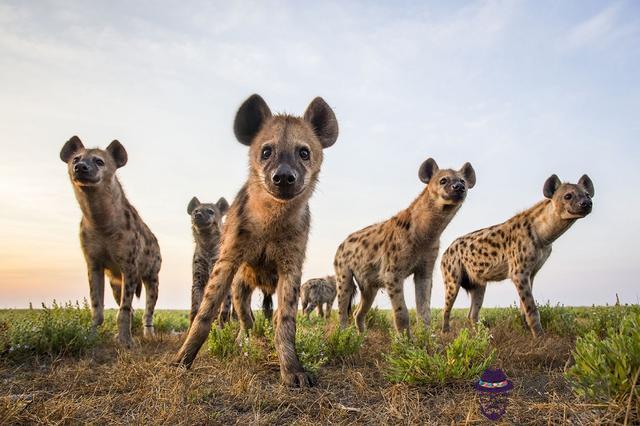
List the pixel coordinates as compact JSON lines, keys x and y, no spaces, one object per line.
{"x":520,"y":89}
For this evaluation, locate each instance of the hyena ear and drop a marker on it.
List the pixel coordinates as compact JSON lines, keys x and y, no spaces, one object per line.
{"x":469,"y":175}
{"x":323,"y":121}
{"x":551,"y":186}
{"x":249,"y":119}
{"x":70,"y":147}
{"x":427,"y":170}
{"x":118,"y":153}
{"x":192,"y":205}
{"x":223,"y":206}
{"x":587,"y":184}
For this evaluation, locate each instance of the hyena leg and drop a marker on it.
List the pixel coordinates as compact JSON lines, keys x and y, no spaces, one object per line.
{"x":329,"y":308}
{"x":451,"y":277}
{"x":477,"y":296}
{"x":523,"y":285}
{"x":116,"y":288}
{"x":320,"y":310}
{"x":291,"y":370}
{"x":197,"y":291}
{"x":366,"y":300}
{"x":96,"y":294}
{"x":423,"y":282}
{"x":131,"y":282}
{"x":151,"y":286}
{"x":310,"y":307}
{"x":346,"y":288}
{"x":400,"y":311}
{"x":242,"y":304}
{"x":267,"y":306}
{"x":217,"y":288}
{"x":225,"y":310}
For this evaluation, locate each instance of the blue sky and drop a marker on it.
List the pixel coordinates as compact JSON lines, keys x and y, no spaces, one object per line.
{"x":520,"y":89}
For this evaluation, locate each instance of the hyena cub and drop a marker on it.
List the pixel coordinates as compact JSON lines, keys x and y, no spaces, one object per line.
{"x":384,"y":254}
{"x":206,"y":224}
{"x":114,"y":238}
{"x":515,"y":249}
{"x":265,"y":235}
{"x":317,"y":292}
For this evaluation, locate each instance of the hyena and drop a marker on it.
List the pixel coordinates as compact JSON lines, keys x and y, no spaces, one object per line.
{"x":265,"y":235}
{"x":206,"y":224}
{"x":317,"y":292}
{"x":113,"y":237}
{"x":384,"y":254}
{"x":514,"y":249}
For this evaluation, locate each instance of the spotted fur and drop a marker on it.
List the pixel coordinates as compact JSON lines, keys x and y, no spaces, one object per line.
{"x":385,"y":254}
{"x":113,"y":237}
{"x":317,"y":292}
{"x":265,"y":235}
{"x":514,"y":249}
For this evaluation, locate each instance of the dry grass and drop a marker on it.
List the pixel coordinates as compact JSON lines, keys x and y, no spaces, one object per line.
{"x":114,"y":386}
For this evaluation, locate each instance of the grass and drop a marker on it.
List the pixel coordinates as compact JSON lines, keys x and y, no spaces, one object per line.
{"x":376,"y":378}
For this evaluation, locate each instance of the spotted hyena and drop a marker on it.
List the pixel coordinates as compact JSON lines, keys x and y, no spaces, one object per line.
{"x":384,"y":254}
{"x":317,"y":292}
{"x":515,"y":249}
{"x":113,"y":237}
{"x":206,"y":224}
{"x":265,"y":235}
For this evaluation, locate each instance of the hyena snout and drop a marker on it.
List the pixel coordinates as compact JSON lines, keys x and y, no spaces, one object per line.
{"x":284,"y":176}
{"x":85,"y":171}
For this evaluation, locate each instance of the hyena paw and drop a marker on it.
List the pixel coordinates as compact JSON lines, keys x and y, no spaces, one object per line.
{"x":297,"y":379}
{"x":125,"y":341}
{"x":149,"y":332}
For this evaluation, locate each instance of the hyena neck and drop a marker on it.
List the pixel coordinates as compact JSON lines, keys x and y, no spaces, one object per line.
{"x":266,"y":211}
{"x":207,"y":239}
{"x":547,"y":223}
{"x":428,"y":218}
{"x":101,"y":206}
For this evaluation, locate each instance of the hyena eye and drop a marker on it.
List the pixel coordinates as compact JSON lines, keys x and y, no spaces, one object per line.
{"x":443,"y":181}
{"x":210,"y":211}
{"x":99,"y":162}
{"x":567,"y":196}
{"x":76,"y":159}
{"x":304,"y":153}
{"x":266,"y":152}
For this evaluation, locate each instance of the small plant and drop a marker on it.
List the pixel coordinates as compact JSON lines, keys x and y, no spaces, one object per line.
{"x":55,"y":331}
{"x":222,"y":341}
{"x":605,"y":368}
{"x":424,"y":361}
{"x":558,"y":319}
{"x":261,"y":326}
{"x":343,"y":344}
{"x":170,"y":321}
{"x":311,"y":347}
{"x":378,"y":320}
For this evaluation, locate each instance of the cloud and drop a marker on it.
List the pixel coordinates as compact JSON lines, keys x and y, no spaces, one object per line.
{"x":601,"y":29}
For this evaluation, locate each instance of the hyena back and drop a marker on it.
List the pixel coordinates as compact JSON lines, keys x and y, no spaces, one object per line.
{"x":265,"y":235}
{"x":384,"y":254}
{"x":113,"y":237}
{"x":515,"y":249}
{"x":317,"y":292}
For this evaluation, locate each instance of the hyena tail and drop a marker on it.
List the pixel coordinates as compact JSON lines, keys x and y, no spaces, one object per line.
{"x":139,"y":289}
{"x":465,"y":281}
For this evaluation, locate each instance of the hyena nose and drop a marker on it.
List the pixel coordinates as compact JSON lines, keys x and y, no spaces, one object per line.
{"x":586,"y":204}
{"x":458,"y":186}
{"x":284,"y":175}
{"x":198,"y":215}
{"x":81,"y":167}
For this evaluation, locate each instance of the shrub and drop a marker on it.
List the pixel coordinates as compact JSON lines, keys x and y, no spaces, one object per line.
{"x":55,"y":331}
{"x":558,"y":319}
{"x":378,"y":320}
{"x":605,"y":368}
{"x":222,"y":341}
{"x":311,"y":347}
{"x":170,"y":321}
{"x":261,"y":326}
{"x":423,"y":361}
{"x":343,"y":344}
